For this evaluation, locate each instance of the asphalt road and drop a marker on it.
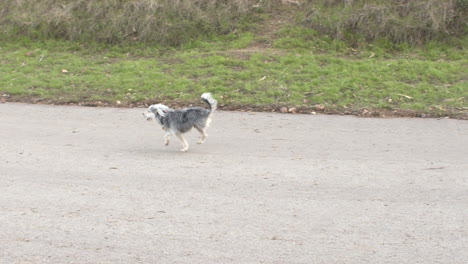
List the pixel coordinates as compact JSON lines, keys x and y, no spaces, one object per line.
{"x":97,"y":185}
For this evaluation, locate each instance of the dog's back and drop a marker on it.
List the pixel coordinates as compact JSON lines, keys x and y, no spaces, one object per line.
{"x":181,"y":121}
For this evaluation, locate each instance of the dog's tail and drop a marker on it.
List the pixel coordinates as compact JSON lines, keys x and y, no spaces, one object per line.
{"x":212,"y":103}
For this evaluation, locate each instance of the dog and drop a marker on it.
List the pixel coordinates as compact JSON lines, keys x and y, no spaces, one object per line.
{"x":180,"y":121}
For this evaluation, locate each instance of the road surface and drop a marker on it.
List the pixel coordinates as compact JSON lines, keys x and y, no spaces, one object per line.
{"x":97,"y":185}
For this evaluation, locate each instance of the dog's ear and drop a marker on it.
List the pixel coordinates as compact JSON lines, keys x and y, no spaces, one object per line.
{"x":161,"y":112}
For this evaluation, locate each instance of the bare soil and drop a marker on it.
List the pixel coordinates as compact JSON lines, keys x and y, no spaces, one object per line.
{"x":309,"y":110}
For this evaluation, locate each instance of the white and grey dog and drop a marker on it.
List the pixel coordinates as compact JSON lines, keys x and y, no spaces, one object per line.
{"x":179,"y":121}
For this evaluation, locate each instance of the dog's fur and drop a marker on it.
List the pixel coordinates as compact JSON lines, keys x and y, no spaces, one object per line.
{"x":179,"y":121}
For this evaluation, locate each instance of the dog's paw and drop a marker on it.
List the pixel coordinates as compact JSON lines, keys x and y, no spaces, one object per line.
{"x":184,"y":150}
{"x":200,"y":142}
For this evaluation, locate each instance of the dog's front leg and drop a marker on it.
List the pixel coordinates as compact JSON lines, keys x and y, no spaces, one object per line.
{"x":166,"y":138}
{"x":184,"y":142}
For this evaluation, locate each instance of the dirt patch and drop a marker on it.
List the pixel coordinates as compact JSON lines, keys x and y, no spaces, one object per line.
{"x":309,"y":110}
{"x":268,"y":30}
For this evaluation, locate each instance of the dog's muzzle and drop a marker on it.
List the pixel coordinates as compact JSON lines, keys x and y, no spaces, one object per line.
{"x":147,"y":116}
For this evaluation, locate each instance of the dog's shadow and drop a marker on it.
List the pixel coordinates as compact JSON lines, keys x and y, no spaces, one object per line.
{"x":163,"y":151}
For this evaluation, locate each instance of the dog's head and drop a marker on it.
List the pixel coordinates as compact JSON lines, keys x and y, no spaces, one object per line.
{"x":155,"y":111}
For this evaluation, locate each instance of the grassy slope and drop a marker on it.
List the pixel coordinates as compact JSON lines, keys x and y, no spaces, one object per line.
{"x":299,"y":69}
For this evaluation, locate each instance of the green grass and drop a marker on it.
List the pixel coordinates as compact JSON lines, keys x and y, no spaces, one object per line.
{"x":299,"y":72}
{"x":328,"y":53}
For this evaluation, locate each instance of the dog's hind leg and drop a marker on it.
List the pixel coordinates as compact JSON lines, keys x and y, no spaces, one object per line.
{"x":202,"y":133}
{"x":184,"y":142}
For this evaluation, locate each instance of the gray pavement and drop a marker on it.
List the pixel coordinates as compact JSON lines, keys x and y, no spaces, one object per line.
{"x":96,"y":185}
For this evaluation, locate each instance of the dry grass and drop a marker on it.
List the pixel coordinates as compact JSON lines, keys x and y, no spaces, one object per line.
{"x":399,"y":21}
{"x":173,"y":22}
{"x":166,"y":22}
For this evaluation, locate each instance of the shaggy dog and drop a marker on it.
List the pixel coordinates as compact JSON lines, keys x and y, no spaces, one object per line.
{"x":179,"y":121}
